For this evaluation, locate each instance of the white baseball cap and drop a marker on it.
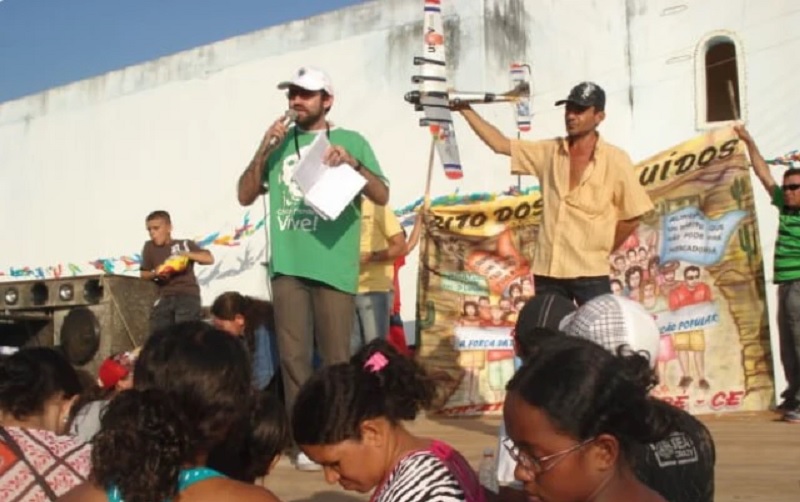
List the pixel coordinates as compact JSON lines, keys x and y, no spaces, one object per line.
{"x":310,"y":79}
{"x":610,"y":321}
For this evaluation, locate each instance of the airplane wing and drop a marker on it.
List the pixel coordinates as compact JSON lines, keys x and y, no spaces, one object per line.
{"x":433,"y":96}
{"x":521,"y":74}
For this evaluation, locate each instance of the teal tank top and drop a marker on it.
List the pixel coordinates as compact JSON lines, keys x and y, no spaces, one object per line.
{"x":186,"y":478}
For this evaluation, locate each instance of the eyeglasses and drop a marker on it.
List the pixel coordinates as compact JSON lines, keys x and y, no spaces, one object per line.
{"x":790,"y":187}
{"x":536,"y":465}
{"x":692,"y":277}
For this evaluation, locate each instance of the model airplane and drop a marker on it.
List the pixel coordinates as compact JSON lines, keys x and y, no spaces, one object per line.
{"x":435,"y":96}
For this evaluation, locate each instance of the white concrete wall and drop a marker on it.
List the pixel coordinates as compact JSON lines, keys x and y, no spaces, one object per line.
{"x":84,"y":163}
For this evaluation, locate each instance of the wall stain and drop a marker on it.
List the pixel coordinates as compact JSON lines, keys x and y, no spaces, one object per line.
{"x":630,"y":13}
{"x":505,"y":35}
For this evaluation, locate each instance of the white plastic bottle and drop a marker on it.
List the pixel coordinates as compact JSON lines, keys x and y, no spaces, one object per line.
{"x":487,"y":470}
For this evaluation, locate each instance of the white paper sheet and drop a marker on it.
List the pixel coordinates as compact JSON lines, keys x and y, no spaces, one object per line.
{"x":326,"y":189}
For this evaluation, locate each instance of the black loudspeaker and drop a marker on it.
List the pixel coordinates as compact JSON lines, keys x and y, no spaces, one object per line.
{"x":89,"y":317}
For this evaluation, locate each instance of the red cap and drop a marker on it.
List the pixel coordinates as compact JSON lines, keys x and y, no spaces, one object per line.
{"x":111,"y":372}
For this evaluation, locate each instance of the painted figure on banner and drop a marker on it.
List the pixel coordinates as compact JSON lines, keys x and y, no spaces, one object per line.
{"x":692,"y":342}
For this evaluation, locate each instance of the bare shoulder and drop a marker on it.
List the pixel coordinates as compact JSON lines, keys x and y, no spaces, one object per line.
{"x":251,"y":493}
{"x":86,"y":492}
{"x":218,"y":490}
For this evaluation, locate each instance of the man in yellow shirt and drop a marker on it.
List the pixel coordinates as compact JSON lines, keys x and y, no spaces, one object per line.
{"x":382,"y":240}
{"x":592,"y":199}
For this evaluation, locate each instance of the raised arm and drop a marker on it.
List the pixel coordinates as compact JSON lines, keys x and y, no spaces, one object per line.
{"x":251,"y":181}
{"x":759,"y":165}
{"x":488,"y":133}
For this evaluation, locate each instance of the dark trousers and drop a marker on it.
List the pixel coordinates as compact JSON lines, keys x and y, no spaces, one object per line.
{"x":307,"y":311}
{"x":578,"y":289}
{"x":172,"y":309}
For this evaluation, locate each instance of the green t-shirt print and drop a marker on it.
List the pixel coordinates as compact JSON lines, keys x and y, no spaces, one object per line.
{"x":302,"y":243}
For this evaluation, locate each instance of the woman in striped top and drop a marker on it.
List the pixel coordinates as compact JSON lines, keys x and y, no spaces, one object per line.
{"x":348,"y":418}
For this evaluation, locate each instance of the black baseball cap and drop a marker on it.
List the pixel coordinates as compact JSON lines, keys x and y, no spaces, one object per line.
{"x":586,"y":94}
{"x":539,"y":319}
{"x":544,"y":311}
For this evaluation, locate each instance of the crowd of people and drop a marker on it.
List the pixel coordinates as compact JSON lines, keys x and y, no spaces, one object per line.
{"x":203,"y":409}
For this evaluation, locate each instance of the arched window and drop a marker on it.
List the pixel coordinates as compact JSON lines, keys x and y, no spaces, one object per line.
{"x":720,"y":80}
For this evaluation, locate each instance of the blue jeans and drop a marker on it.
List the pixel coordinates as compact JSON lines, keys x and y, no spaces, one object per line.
{"x":265,"y":357}
{"x":173,"y":309}
{"x":373,"y":311}
{"x":578,"y":289}
{"x":789,"y":335}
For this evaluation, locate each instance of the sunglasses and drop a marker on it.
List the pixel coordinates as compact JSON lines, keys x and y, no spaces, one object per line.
{"x":301,"y":93}
{"x":790,"y":187}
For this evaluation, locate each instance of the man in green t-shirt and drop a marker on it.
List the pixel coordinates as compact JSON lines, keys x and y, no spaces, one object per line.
{"x":786,"y":198}
{"x":314,"y":262}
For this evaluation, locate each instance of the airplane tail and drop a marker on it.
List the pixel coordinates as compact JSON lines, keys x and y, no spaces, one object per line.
{"x":446,"y":147}
{"x":520,"y":74}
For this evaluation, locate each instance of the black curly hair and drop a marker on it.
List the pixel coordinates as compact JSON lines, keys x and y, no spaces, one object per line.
{"x":204,"y":376}
{"x":334,"y":402}
{"x":143,"y":431}
{"x":205,"y":370}
{"x":587,"y":391}
{"x":249,"y":451}
{"x":32,"y":376}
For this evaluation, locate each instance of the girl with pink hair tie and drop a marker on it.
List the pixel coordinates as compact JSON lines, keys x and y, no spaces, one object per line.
{"x":349,"y":419}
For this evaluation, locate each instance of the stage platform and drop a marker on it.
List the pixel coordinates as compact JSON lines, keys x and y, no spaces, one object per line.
{"x":758,"y":458}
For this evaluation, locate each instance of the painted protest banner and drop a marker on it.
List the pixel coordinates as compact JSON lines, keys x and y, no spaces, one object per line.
{"x":695,"y":263}
{"x":474,"y":279}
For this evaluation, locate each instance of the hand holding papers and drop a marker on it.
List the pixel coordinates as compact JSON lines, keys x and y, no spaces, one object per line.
{"x":326,"y":189}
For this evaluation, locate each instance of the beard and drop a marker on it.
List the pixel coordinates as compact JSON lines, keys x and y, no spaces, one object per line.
{"x":308,"y":118}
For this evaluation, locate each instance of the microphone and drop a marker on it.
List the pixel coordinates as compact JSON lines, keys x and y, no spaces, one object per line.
{"x":288,"y":117}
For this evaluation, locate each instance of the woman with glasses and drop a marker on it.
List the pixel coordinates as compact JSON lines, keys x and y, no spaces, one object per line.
{"x":573,"y":413}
